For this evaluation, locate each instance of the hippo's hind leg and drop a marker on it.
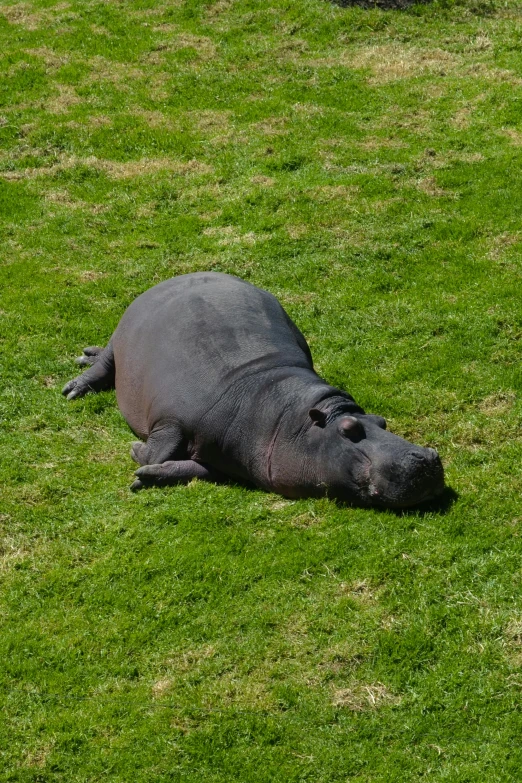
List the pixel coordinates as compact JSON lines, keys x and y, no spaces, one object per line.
{"x":99,"y":376}
{"x":174,"y":472}
{"x":164,"y":443}
{"x":164,"y":460}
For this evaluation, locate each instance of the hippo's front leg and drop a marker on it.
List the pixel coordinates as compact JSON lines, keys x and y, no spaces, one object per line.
{"x":179,"y":472}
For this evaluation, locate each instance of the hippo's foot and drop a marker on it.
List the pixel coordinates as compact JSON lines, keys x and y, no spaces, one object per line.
{"x":98,"y":376}
{"x":138,"y":452}
{"x":168,"y":473}
{"x":90,"y":356}
{"x":75,"y":388}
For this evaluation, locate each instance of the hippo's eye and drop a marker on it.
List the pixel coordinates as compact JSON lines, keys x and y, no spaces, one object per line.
{"x":351,"y":428}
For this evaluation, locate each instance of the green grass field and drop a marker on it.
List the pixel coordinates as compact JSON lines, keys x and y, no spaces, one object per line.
{"x":364,"y":166}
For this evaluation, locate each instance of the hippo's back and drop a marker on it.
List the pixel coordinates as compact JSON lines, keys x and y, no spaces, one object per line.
{"x":182,"y":344}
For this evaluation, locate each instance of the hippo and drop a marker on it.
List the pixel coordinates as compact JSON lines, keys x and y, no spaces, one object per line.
{"x":218,"y":383}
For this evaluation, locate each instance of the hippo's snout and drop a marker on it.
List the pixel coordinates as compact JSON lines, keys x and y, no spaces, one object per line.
{"x":426,"y":455}
{"x":423,"y":462}
{"x":409,"y":479}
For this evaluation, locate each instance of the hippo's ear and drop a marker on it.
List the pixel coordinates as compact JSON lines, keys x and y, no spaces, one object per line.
{"x":318,"y":417}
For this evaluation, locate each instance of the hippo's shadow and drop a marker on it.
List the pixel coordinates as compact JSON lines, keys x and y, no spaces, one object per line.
{"x":439,"y":505}
{"x":384,"y":5}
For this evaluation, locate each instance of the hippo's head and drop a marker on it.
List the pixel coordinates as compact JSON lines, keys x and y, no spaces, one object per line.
{"x":361,"y":462}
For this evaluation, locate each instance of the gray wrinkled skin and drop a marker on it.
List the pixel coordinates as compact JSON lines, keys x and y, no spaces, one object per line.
{"x":218,"y":381}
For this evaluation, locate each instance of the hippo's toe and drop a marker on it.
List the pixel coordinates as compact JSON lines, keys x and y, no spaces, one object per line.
{"x":137,"y":452}
{"x":71,"y":390}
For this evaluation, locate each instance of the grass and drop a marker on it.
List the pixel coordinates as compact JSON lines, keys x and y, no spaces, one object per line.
{"x":363,"y":165}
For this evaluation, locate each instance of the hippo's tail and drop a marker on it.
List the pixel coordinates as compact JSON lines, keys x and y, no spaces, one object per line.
{"x":99,"y":376}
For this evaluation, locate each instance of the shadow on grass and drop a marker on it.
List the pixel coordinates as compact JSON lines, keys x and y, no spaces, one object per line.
{"x":384,"y":5}
{"x":440,"y":505}
{"x":481,"y":8}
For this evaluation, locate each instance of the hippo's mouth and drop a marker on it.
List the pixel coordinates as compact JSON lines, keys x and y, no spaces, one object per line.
{"x":409,"y":500}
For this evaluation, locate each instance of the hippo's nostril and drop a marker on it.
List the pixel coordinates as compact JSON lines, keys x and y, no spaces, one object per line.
{"x":426,"y":456}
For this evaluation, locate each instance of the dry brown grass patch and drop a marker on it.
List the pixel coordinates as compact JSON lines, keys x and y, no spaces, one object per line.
{"x":391,"y":62}
{"x":292,"y":49}
{"x":418,"y":121}
{"x":485,"y":70}
{"x":360,"y":589}
{"x":115,"y":169}
{"x":21,"y":65}
{"x":63,"y":197}
{"x":62,"y":102}
{"x":481,"y":43}
{"x":11,"y":553}
{"x":306,"y":520}
{"x":462,"y":118}
{"x":498,"y":404}
{"x":271,"y":126}
{"x":230,"y":235}
{"x":468,"y":157}
{"x":146,"y":210}
{"x":220,"y":7}
{"x":37,"y":757}
{"x":166,"y":27}
{"x":24,"y":15}
{"x":157,"y":83}
{"x":360,"y":697}
{"x":98,"y":29}
{"x":278,"y":505}
{"x":242,"y":691}
{"x":155,"y":119}
{"x":90,"y":275}
{"x":99,"y":120}
{"x":184,"y":725}
{"x":470,"y":436}
{"x":260,"y":179}
{"x":203,"y":46}
{"x":352,"y":237}
{"x":287,"y":298}
{"x":513,"y":640}
{"x":307,"y":109}
{"x":297,"y":231}
{"x":515,"y":136}
{"x":146,"y":13}
{"x":342,"y":658}
{"x":53,"y":61}
{"x":120,"y":74}
{"x":210,"y":121}
{"x":160,"y":687}
{"x":324,"y":193}
{"x":502,"y":243}
{"x":429,"y":186}
{"x":189,"y":659}
{"x":210,"y":189}
{"x":376,"y":143}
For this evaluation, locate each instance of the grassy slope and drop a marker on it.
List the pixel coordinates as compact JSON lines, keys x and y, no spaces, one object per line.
{"x":364,"y":166}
